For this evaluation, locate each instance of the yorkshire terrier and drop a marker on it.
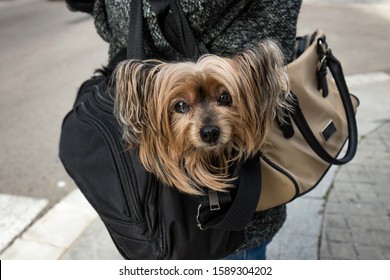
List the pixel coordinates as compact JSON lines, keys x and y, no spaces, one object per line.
{"x":191,"y":121}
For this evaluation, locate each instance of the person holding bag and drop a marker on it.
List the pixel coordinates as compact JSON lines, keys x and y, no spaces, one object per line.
{"x":225,"y":28}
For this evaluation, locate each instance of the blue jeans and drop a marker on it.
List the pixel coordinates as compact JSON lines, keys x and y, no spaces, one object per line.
{"x":257,"y":253}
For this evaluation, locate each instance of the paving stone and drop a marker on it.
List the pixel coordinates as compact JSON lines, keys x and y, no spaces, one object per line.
{"x":356,"y":217}
{"x":369,"y":197}
{"x":363,"y":209}
{"x":363,"y":187}
{"x":365,"y":252}
{"x":359,"y":222}
{"x":344,"y":186}
{"x":343,"y":177}
{"x":383,"y":187}
{"x":333,"y":207}
{"x":364,"y":237}
{"x":351,"y":197}
{"x":380,"y":223}
{"x":386,"y":253}
{"x":383,"y":238}
{"x":324,"y":252}
{"x":335,"y":221}
{"x":337,"y":235}
{"x":342,"y":251}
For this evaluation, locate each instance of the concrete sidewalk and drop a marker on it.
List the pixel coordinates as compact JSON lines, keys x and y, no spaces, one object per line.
{"x":346,"y":217}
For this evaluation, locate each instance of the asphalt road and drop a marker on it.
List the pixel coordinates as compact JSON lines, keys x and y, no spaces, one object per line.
{"x":46,"y":51}
{"x":358,"y":31}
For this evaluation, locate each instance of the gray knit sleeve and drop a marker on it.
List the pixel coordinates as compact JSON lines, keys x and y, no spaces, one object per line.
{"x":225,"y":27}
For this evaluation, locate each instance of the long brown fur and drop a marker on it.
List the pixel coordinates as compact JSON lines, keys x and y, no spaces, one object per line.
{"x":169,"y":141}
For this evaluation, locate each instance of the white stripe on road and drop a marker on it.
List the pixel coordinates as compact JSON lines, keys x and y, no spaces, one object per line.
{"x":16,"y":214}
{"x":55,"y":232}
{"x":367,"y":78}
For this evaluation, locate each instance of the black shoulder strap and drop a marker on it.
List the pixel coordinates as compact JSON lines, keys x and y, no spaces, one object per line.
{"x":220,"y":211}
{"x":135,"y":40}
{"x":173,"y":24}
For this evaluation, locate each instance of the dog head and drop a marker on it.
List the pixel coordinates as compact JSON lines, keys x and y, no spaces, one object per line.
{"x":192,"y":120}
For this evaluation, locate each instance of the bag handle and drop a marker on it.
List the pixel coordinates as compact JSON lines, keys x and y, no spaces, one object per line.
{"x":300,"y":120}
{"x":173,"y":24}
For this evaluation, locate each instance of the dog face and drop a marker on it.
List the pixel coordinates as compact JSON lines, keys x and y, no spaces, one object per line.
{"x":192,"y":120}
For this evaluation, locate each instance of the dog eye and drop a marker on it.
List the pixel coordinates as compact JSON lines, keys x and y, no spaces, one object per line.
{"x":225,"y":99}
{"x":182,"y":107}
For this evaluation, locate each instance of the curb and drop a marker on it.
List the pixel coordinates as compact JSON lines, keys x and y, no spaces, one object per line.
{"x":55,"y":232}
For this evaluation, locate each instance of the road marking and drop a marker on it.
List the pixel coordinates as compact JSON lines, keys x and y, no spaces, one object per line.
{"x":9,"y":3}
{"x":55,"y":232}
{"x":16,"y":214}
{"x":61,"y":184}
{"x":367,"y":78}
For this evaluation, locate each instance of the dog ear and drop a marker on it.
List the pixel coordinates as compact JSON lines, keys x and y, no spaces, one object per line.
{"x":133,"y":84}
{"x":263,"y":67}
{"x":264,"y":83}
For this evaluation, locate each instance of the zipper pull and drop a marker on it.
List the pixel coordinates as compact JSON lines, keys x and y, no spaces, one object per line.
{"x":213,"y":200}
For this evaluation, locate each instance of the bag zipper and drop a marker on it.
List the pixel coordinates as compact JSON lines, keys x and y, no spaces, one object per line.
{"x":106,"y":102}
{"x":121,"y":158}
{"x":106,"y":105}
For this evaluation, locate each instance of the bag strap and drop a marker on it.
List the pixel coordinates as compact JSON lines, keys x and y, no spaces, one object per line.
{"x":85,"y":6}
{"x":300,"y":120}
{"x":236,"y":213}
{"x":135,"y":39}
{"x":173,"y":24}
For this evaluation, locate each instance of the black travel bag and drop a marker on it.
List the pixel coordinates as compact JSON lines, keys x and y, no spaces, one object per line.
{"x":146,"y":219}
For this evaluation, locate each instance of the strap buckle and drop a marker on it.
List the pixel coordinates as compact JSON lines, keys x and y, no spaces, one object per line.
{"x":322,"y":51}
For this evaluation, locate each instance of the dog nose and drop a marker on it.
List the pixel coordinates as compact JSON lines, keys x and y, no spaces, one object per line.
{"x":209,"y":134}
